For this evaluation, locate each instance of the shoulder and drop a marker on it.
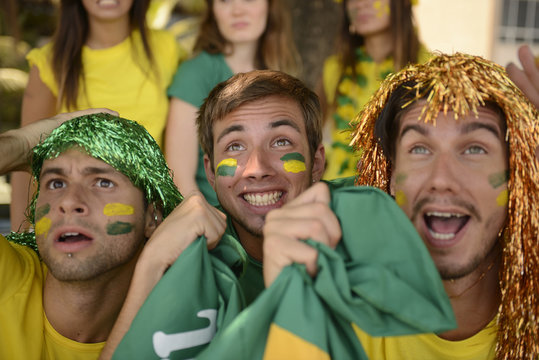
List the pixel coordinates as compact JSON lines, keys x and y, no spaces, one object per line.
{"x":331,"y":75}
{"x":40,"y":56}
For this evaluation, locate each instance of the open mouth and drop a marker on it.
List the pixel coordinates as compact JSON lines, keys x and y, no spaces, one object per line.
{"x":70,"y":237}
{"x":445,"y":226}
{"x":263,"y":199}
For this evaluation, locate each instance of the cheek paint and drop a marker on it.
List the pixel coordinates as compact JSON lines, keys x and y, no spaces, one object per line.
{"x":43,"y":226}
{"x":294,"y":163}
{"x":498,"y":179}
{"x":117,"y":209}
{"x":227,"y":167}
{"x":381,"y":9}
{"x":119,"y":228}
{"x":400,"y":178}
{"x":400,"y":198}
{"x":42,"y":211}
{"x":503,"y":198}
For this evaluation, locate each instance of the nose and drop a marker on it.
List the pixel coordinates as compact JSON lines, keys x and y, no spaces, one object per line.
{"x":72,"y":202}
{"x":258,"y":165}
{"x":444,"y":176}
{"x":237,"y":7}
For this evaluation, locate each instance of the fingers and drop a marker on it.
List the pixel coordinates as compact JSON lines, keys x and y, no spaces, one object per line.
{"x":527,"y":60}
{"x":281,"y":252}
{"x":61,"y":118}
{"x":528,"y":79}
{"x":193,"y":218}
{"x":306,"y":217}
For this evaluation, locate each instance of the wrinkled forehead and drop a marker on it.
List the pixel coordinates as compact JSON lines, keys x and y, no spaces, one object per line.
{"x":77,"y":158}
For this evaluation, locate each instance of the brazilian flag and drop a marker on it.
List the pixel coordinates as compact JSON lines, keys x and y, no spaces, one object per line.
{"x":380,"y":280}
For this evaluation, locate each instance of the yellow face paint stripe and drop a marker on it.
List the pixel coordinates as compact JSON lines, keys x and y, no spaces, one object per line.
{"x":43,"y":226}
{"x":400,"y":198}
{"x":503,"y":198}
{"x":294,"y":166}
{"x":117,"y":209}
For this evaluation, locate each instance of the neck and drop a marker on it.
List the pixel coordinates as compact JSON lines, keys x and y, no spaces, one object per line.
{"x":242,"y":57}
{"x":475,"y":298}
{"x":105,"y":34}
{"x":251,"y":243}
{"x":379,"y":46}
{"x":85,"y":311}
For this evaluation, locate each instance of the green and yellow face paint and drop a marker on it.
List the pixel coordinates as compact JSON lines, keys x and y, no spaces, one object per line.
{"x":43,"y":223}
{"x":227,"y":167}
{"x":497,"y":180}
{"x":117,"y":209}
{"x":381,"y":9}
{"x":294,"y":162}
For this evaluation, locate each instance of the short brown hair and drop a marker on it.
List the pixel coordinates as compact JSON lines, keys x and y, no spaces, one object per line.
{"x":243,"y":88}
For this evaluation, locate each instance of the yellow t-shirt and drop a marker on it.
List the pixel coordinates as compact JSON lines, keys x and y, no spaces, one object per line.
{"x":25,"y":332}
{"x":120,"y":79}
{"x":352,"y":95}
{"x":481,"y":346}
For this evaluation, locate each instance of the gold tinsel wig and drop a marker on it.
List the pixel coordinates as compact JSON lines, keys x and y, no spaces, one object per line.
{"x":462,"y":83}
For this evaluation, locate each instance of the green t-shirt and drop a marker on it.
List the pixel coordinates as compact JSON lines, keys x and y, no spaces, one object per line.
{"x":192,"y":83}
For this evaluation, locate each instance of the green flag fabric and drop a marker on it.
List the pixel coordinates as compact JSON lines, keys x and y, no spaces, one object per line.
{"x":379,"y":279}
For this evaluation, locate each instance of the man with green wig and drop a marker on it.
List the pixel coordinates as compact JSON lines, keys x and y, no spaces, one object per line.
{"x":103,"y":187}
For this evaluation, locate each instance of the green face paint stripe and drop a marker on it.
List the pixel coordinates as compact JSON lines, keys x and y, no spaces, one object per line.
{"x":42,"y":211}
{"x":400,"y":178}
{"x":227,"y":167}
{"x":119,"y":228}
{"x":498,"y":179}
{"x":225,"y":170}
{"x":293,"y":156}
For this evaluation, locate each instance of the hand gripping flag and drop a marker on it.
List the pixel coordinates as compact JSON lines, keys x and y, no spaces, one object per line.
{"x":380,"y":280}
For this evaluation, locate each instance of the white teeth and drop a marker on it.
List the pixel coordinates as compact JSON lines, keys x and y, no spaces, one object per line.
{"x":263,"y":200}
{"x":443,"y":214}
{"x":70,"y":234}
{"x":439,"y":236}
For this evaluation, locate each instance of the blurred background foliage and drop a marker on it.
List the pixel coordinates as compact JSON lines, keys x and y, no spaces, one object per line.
{"x":25,"y":24}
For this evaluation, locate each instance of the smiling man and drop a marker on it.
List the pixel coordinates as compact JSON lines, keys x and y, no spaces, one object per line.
{"x":103,"y":187}
{"x":261,"y":135}
{"x":453,"y":141}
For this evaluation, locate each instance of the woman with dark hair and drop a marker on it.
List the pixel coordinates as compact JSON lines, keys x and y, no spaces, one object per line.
{"x":235,"y":36}
{"x":377,"y":37}
{"x":101,"y":55}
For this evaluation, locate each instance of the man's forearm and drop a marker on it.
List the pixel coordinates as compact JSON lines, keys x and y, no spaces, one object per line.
{"x":14,"y":152}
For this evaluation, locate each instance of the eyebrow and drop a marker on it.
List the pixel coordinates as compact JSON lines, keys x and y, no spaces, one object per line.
{"x":272,"y":125}
{"x":92,"y":170}
{"x":285,"y":122}
{"x":228,"y":130}
{"x":464,"y":129}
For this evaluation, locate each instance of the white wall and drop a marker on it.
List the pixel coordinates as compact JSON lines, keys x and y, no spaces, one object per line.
{"x":457,"y":25}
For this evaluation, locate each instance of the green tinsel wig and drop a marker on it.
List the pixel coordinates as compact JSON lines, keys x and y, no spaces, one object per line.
{"x":121,"y":143}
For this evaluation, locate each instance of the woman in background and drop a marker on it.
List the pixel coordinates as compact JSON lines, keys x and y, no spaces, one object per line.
{"x":235,"y":36}
{"x":101,"y":55}
{"x":377,"y":38}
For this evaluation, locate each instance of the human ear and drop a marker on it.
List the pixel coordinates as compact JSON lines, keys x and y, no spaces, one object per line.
{"x":152,"y":219}
{"x":210,"y":174}
{"x":319,"y":162}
